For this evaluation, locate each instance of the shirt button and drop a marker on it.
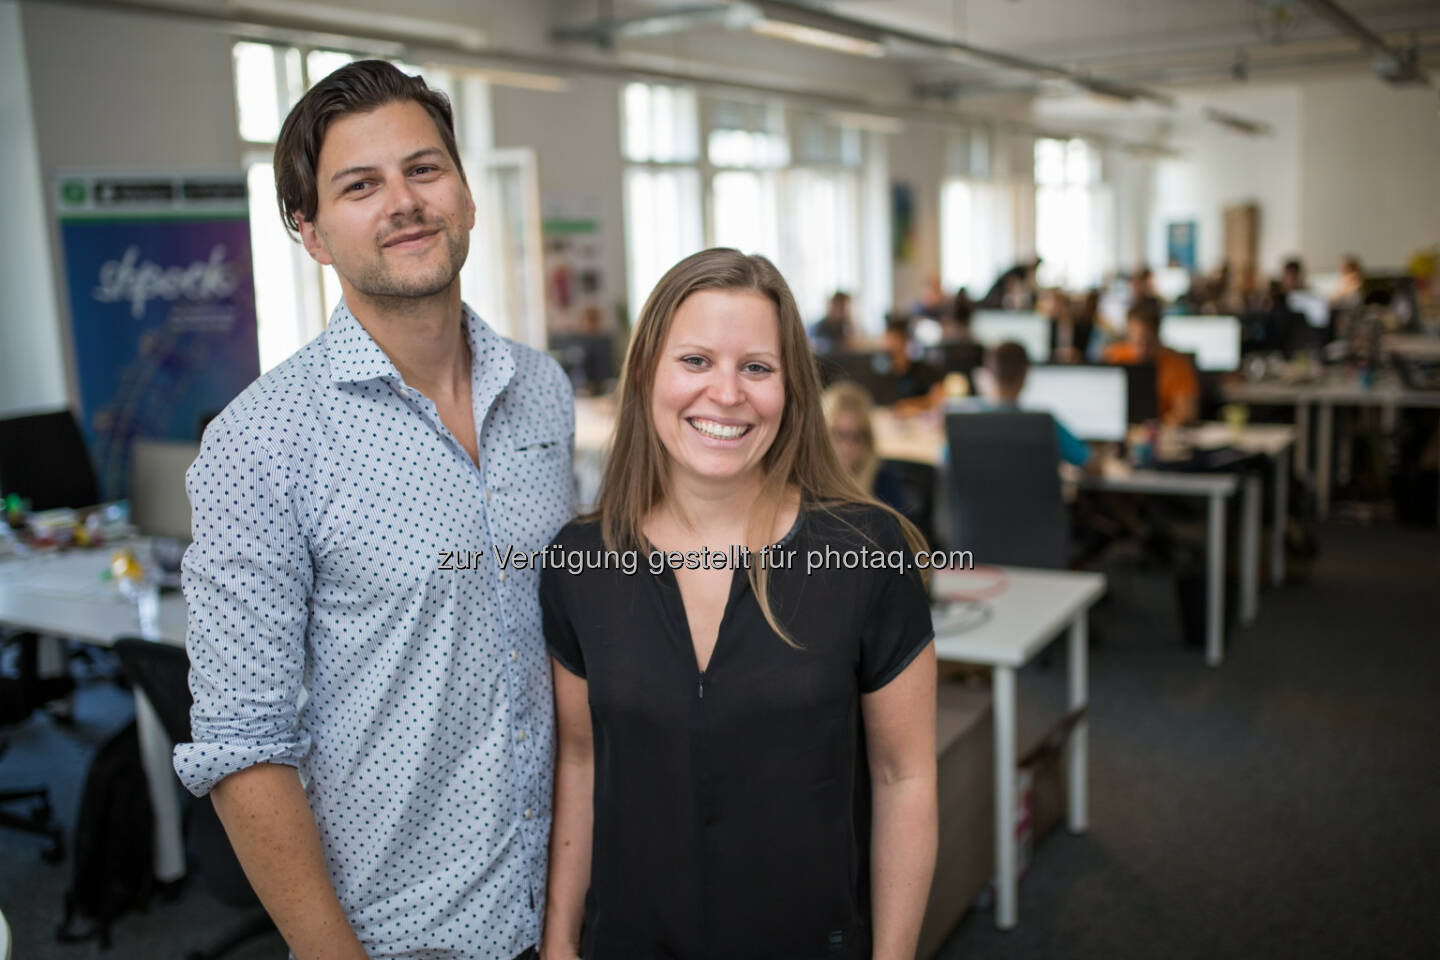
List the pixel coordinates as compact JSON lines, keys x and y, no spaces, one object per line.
{"x":487,"y":494}
{"x":514,"y":655}
{"x":529,"y":813}
{"x":503,"y":575}
{"x":520,"y":735}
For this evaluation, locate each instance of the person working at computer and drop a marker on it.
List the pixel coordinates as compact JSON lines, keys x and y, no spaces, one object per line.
{"x":1177,"y":386}
{"x":833,"y":331}
{"x":1001,"y":384}
{"x":918,"y":385}
{"x":848,"y":410}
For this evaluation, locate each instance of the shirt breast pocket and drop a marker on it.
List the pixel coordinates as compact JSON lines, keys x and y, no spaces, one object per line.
{"x":534,"y":482}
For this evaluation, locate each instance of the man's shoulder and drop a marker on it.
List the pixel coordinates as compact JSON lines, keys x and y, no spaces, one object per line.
{"x":280,"y":406}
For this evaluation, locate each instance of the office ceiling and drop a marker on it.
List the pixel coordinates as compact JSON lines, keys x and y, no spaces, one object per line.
{"x":1166,"y":43}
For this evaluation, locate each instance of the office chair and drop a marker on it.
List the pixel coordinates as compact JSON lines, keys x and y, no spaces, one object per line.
{"x":1005,"y":503}
{"x":918,"y":483}
{"x":15,"y":708}
{"x":43,"y":458}
{"x":161,"y":671}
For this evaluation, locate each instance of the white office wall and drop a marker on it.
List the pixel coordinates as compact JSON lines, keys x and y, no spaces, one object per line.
{"x":1371,"y":171}
{"x":32,"y":366}
{"x":1219,"y":167}
{"x":917,"y":160}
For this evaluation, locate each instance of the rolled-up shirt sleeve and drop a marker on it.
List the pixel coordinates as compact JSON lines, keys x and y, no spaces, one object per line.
{"x":247,"y":577}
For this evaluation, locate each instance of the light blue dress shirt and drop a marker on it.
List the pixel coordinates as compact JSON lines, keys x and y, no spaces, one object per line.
{"x":348,"y":617}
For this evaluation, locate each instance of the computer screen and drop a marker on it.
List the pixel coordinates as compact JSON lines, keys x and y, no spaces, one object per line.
{"x":1030,"y":330}
{"x":1091,"y":401}
{"x":158,"y":504}
{"x":1215,"y":341}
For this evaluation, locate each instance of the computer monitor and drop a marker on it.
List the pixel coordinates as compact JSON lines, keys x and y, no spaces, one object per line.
{"x":158,"y":504}
{"x":587,"y":358}
{"x":1215,"y":341}
{"x":1142,"y":392}
{"x":870,"y":369}
{"x":1030,"y":330}
{"x":1091,"y":401}
{"x":953,"y":357}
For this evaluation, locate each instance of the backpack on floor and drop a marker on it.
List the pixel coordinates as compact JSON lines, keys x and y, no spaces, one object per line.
{"x":114,"y":842}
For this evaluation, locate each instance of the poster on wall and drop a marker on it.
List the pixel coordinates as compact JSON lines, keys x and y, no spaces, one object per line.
{"x":1180,"y":244}
{"x":574,"y":275}
{"x":162,"y":306}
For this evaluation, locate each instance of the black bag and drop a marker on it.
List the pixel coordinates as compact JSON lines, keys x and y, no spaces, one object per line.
{"x":114,"y":843}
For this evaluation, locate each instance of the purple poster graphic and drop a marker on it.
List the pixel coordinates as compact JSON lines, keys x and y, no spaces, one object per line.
{"x":162,"y":308}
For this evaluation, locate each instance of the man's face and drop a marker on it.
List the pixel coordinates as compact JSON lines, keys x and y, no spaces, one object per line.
{"x":394,"y":215}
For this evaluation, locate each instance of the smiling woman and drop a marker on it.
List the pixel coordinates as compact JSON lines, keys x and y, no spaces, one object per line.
{"x":691,"y":697}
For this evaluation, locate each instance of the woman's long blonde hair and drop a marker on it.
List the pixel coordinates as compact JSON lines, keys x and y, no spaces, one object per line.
{"x":637,"y":472}
{"x":847,"y":396}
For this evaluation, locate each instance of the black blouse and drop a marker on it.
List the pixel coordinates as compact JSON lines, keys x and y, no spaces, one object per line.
{"x":732,"y":807}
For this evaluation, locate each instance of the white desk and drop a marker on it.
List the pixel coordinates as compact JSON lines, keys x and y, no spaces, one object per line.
{"x":1031,"y":609}
{"x":1336,"y":390}
{"x":1415,"y":346}
{"x":62,"y":594}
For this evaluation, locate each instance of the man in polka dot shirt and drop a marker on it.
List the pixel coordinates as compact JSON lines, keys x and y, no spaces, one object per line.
{"x":374,"y":723}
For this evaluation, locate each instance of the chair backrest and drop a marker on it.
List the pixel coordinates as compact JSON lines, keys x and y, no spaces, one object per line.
{"x":1004,"y":485}
{"x":918,"y":483}
{"x":44,"y":459}
{"x":162,"y":671}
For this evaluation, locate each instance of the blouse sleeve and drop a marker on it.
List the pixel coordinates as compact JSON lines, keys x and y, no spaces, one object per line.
{"x":555,"y":620}
{"x":898,"y":626}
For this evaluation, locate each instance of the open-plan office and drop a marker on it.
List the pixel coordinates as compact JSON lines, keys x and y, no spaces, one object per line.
{"x":1131,"y":312}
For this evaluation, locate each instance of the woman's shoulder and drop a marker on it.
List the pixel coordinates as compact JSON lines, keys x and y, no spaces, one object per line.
{"x":855,"y":520}
{"x":582,"y":533}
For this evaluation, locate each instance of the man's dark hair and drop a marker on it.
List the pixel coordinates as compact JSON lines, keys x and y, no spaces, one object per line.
{"x":1008,"y":364}
{"x":897,"y":323}
{"x":355,"y":88}
{"x":1145,"y":312}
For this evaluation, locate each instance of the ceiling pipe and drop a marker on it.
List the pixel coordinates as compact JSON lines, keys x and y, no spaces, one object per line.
{"x":1397,"y":67}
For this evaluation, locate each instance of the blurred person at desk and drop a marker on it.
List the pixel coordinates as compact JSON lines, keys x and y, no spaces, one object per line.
{"x":918,"y":385}
{"x":405,"y":809}
{"x":833,"y":332}
{"x":1001,"y":384}
{"x":848,"y":411}
{"x":1176,"y":383}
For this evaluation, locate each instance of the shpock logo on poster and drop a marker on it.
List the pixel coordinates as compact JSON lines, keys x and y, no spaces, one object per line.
{"x":128,"y":279}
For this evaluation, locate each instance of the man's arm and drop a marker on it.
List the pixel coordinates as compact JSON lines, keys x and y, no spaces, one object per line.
{"x":269,"y":823}
{"x":248,"y":580}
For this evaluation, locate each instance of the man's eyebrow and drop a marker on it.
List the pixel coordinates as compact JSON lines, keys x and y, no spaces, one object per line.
{"x":351,"y":171}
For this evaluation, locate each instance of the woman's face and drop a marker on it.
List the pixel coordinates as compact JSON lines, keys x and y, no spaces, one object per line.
{"x":719,"y":391}
{"x":848,"y":434}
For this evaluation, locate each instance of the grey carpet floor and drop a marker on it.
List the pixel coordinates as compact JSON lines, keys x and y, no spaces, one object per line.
{"x":1284,"y":805}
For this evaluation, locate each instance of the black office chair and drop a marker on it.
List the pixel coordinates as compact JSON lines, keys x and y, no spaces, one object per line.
{"x":161,"y":671}
{"x":15,"y":708}
{"x":1005,"y":503}
{"x":918,"y":483}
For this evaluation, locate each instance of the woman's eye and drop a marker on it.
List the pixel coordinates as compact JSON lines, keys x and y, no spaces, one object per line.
{"x":693,"y":361}
{"x":757,"y":368}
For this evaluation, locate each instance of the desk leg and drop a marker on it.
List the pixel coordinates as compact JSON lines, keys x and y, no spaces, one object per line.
{"x":1282,"y":519}
{"x":1250,"y":552}
{"x":155,"y":750}
{"x":1215,"y":584}
{"x":1080,"y":736}
{"x":1324,"y":426}
{"x":1302,"y":439}
{"x":1006,"y":872}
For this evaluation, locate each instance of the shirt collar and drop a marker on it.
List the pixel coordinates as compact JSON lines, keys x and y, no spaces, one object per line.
{"x":354,"y":355}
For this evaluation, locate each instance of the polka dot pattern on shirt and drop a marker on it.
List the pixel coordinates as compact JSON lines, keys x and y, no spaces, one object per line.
{"x":325,"y":500}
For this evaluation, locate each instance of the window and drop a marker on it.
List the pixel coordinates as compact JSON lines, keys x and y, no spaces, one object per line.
{"x":293,"y":294}
{"x":661,"y":142}
{"x":1074,"y":215}
{"x":977,"y":240}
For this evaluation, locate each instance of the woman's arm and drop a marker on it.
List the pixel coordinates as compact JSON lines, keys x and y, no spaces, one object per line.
{"x":900,"y":742}
{"x":573,"y":817}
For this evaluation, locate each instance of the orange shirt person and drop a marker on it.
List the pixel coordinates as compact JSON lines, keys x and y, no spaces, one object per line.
{"x":1177,"y":385}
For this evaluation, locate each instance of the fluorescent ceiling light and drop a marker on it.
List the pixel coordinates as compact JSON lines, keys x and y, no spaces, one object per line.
{"x":544,"y":82}
{"x":869,"y":122}
{"x":816,"y":37}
